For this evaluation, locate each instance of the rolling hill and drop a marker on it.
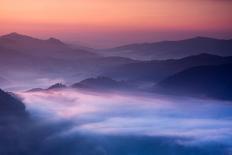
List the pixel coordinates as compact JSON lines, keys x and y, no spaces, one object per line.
{"x":51,"y":47}
{"x":101,"y":83}
{"x":156,"y":70}
{"x":173,"y":49}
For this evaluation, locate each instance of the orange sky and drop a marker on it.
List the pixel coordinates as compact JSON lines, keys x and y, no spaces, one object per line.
{"x":101,"y":23}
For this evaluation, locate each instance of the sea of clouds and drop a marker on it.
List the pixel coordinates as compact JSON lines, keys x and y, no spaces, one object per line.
{"x":115,"y":113}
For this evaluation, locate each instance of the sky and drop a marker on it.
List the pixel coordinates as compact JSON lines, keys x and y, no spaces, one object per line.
{"x":107,"y":23}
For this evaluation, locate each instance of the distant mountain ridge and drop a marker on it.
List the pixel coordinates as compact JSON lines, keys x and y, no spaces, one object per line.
{"x":51,"y":58}
{"x":51,"y":47}
{"x":173,"y":49}
{"x":14,"y":40}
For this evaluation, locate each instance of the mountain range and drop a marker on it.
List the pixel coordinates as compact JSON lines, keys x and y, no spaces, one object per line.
{"x":51,"y":58}
{"x":51,"y":47}
{"x":156,"y":70}
{"x":167,"y":64}
{"x":173,"y":49}
{"x":97,"y":84}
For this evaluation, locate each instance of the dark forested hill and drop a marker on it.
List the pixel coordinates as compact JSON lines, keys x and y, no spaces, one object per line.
{"x":202,"y":81}
{"x":157,"y":70}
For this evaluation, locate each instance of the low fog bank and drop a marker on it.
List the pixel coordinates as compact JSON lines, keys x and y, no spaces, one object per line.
{"x":81,"y":122}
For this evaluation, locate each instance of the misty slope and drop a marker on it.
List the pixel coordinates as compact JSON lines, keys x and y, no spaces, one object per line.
{"x":202,"y":81}
{"x":20,"y":53}
{"x":173,"y":49}
{"x":157,"y":70}
{"x":17,"y":58}
{"x":3,"y":81}
{"x":15,"y":64}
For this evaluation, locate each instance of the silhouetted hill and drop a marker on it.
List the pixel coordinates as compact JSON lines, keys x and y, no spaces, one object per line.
{"x":18,"y":41}
{"x":157,"y":70}
{"x":100,"y":83}
{"x":57,"y":86}
{"x":203,"y":81}
{"x":173,"y":49}
{"x":35,"y":90}
{"x":10,"y":106}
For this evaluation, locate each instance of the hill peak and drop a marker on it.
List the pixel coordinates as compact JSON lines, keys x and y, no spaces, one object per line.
{"x":54,"y":40}
{"x":18,"y":37}
{"x":14,"y":35}
{"x":201,"y":38}
{"x":205,"y":55}
{"x":57,"y":86}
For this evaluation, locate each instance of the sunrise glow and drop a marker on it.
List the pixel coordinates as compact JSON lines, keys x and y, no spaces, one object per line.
{"x":114,"y":22}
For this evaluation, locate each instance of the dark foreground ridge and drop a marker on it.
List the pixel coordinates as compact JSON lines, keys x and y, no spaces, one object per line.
{"x":10,"y":106}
